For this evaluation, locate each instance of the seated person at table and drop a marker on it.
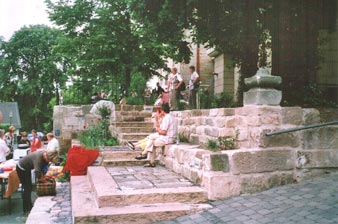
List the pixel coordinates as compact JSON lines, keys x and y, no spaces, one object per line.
{"x":53,"y":143}
{"x":24,"y":139}
{"x":35,"y":161}
{"x":4,"y":149}
{"x":167,"y":134}
{"x":36,"y":141}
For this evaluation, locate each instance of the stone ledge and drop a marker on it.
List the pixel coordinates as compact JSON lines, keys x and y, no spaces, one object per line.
{"x":86,"y":211}
{"x":108,"y":193}
{"x":259,"y":161}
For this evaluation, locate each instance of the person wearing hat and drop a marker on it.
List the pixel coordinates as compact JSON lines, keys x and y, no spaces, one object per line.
{"x":9,"y":139}
{"x":35,"y":161}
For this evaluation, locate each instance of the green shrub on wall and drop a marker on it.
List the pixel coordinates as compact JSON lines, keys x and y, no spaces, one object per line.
{"x":95,"y":136}
{"x":221,"y":100}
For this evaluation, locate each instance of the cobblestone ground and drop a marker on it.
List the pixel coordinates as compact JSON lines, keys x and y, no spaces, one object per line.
{"x":62,"y":210}
{"x":311,"y":202}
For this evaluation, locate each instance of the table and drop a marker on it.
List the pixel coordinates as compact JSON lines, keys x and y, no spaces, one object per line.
{"x":11,"y":179}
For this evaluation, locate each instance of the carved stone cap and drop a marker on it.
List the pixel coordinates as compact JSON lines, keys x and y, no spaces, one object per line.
{"x":263,"y":79}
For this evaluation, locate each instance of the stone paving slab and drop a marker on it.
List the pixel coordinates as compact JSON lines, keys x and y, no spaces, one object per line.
{"x":137,"y":177}
{"x":311,"y":202}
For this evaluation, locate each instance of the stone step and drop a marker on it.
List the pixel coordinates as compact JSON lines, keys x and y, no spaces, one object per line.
{"x":85,"y":209}
{"x":116,"y":154}
{"x":135,"y":129}
{"x":124,"y":186}
{"x":124,"y":162}
{"x":132,"y":136}
{"x":132,"y":124}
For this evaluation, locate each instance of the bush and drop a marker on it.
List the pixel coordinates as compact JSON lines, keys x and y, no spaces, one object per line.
{"x":221,"y":100}
{"x":4,"y":126}
{"x":183,"y":138}
{"x":228,"y":142}
{"x":212,"y":145}
{"x":95,"y":136}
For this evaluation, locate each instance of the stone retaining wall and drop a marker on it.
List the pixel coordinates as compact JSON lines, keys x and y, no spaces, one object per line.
{"x":260,"y":162}
{"x":70,"y":120}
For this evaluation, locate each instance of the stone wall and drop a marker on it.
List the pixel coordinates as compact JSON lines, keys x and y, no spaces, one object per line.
{"x":70,"y":120}
{"x":260,"y":162}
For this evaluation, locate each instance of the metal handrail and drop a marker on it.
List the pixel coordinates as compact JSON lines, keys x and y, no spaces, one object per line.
{"x":300,"y":128}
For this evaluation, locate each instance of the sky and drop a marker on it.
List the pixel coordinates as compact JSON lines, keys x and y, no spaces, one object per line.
{"x":15,"y":14}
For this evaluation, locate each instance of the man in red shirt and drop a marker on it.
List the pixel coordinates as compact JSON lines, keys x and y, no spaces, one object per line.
{"x":36,"y":142}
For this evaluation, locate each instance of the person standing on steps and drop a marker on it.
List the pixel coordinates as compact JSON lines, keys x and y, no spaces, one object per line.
{"x":167,"y":134}
{"x":174,"y":84}
{"x":193,"y":86}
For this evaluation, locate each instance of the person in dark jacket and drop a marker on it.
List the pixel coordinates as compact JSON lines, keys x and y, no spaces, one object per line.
{"x":35,"y":161}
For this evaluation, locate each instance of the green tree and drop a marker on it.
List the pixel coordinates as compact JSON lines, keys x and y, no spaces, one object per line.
{"x":106,"y":43}
{"x":30,"y":71}
{"x":238,"y":28}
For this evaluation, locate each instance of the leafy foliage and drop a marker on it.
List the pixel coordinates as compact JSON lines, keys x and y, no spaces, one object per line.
{"x":183,"y":138}
{"x":95,"y":136}
{"x":106,"y":43}
{"x":30,"y":71}
{"x":222,"y":100}
{"x":228,"y":142}
{"x":212,"y":145}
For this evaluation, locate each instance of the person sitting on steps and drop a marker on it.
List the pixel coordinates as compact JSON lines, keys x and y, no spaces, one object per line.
{"x":142,"y":143}
{"x":166,"y":134}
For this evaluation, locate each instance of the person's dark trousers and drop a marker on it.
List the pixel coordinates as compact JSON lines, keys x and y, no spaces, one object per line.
{"x":192,"y":98}
{"x":25,"y":177}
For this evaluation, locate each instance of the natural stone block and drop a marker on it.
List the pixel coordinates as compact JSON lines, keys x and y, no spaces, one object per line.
{"x":260,"y":182}
{"x":253,"y":120}
{"x":213,"y":112}
{"x":317,"y":158}
{"x":213,"y":132}
{"x":200,"y":130}
{"x":220,"y":185}
{"x":235,"y":122}
{"x":220,"y":122}
{"x":292,"y":115}
{"x":227,"y":132}
{"x":311,"y":116}
{"x":269,"y":119}
{"x":195,"y":113}
{"x":127,"y":108}
{"x":209,"y":121}
{"x":256,"y":110}
{"x":219,"y":162}
{"x":258,"y":161}
{"x":259,"y":96}
{"x":226,"y":112}
{"x":291,"y":139}
{"x":321,"y":138}
{"x":195,"y":139}
{"x":139,"y":107}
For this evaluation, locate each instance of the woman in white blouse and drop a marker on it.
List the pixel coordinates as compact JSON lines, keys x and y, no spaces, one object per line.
{"x":4,"y":150}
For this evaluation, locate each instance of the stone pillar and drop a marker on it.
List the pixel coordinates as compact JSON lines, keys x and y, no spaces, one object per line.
{"x":262,"y":89}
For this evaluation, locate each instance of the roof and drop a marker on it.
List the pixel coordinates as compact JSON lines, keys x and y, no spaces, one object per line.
{"x":11,"y":108}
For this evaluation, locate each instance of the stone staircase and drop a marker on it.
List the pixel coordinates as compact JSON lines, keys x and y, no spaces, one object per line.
{"x":130,"y":193}
{"x":132,"y":123}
